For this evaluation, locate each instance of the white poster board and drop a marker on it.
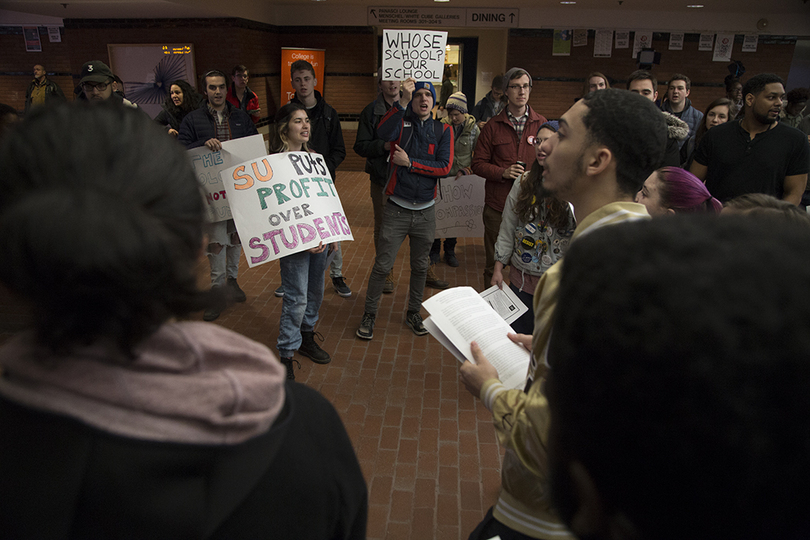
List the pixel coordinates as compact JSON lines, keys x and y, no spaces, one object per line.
{"x":722,"y":48}
{"x":413,"y":53}
{"x":207,"y":166}
{"x":460,"y":207}
{"x":284,"y":204}
{"x":603,"y":43}
{"x":643,"y":40}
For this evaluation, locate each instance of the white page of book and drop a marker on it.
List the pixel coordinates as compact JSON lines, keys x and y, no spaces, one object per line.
{"x":459,"y":316}
{"x":505,"y":302}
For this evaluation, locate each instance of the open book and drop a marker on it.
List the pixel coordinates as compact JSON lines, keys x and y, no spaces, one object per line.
{"x":459,"y":316}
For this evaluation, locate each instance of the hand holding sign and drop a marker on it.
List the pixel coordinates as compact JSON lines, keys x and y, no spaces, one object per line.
{"x":407,"y":88}
{"x":284,"y":204}
{"x":413,"y":53}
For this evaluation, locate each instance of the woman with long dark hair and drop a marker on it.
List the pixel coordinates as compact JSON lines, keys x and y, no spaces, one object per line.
{"x":182,"y":99}
{"x":535,"y":231}
{"x":718,"y":112}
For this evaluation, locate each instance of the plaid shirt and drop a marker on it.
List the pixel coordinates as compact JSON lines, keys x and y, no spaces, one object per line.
{"x":518,"y":122}
{"x":223,"y":127}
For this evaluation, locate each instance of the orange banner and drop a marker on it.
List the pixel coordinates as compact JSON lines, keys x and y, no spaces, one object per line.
{"x":316,"y":57}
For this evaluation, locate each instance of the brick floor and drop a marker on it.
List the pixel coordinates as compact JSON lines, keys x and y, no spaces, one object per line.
{"x":428,"y":452}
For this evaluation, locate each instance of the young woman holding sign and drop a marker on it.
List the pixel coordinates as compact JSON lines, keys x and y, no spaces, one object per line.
{"x":301,"y":273}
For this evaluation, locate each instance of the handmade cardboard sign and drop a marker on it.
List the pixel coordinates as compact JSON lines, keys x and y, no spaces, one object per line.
{"x":460,"y":207}
{"x":284,"y":204}
{"x":207,"y":166}
{"x":413,"y":53}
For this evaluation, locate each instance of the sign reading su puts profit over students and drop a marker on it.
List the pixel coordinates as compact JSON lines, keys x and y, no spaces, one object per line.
{"x":284,"y":204}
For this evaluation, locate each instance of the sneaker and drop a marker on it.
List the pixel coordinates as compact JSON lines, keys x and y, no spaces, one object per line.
{"x":366,"y":330}
{"x":312,"y":350}
{"x":388,"y":288}
{"x":237,"y":294}
{"x":414,"y":322}
{"x":280,"y":291}
{"x":450,"y":259}
{"x":288,"y":363}
{"x":217,"y":306}
{"x":433,"y":281}
{"x":340,"y":287}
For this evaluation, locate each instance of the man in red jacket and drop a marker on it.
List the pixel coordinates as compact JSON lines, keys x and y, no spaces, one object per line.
{"x":242,"y":97}
{"x":503,"y":143}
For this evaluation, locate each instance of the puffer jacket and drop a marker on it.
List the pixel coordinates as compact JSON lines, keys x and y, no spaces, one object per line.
{"x":690,"y":115}
{"x":431,"y":155}
{"x":198,"y":126}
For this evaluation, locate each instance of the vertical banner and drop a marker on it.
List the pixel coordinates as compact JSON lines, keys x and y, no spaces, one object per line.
{"x":706,"y":42}
{"x":413,"y":53}
{"x":284,"y":204}
{"x":750,"y":43}
{"x":31,"y":36}
{"x":460,"y":207}
{"x":602,"y":44}
{"x":562,"y":43}
{"x":643,"y":40}
{"x":722,"y":48}
{"x":622,"y":39}
{"x":580,"y":37}
{"x":208,"y":165}
{"x":676,"y":41}
{"x":316,"y":57}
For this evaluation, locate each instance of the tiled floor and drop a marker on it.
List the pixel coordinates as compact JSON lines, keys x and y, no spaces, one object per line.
{"x":427,"y":448}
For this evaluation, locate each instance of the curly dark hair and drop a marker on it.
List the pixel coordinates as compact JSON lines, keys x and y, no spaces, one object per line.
{"x":532,"y":197}
{"x":191,"y":100}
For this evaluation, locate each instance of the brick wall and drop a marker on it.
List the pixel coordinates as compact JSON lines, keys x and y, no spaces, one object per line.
{"x":351,"y":59}
{"x":531,"y":50}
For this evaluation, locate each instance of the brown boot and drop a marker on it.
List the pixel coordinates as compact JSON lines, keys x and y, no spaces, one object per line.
{"x":389,"y":283}
{"x":433,"y":280}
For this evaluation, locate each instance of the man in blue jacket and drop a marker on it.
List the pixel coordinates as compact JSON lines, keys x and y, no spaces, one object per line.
{"x":215,"y":122}
{"x":421,"y":153}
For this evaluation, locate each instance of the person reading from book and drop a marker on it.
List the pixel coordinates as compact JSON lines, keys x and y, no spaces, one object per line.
{"x":607,"y":145}
{"x":118,"y":421}
{"x":535,"y":231}
{"x":676,"y":410}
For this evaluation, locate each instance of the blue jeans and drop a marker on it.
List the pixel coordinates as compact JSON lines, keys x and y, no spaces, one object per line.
{"x":302,"y":277}
{"x":226,"y":262}
{"x":336,"y":268}
{"x":397,"y":223}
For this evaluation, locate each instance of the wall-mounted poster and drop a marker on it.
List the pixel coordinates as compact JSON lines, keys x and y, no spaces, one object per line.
{"x":562,"y":43}
{"x":31,"y":36}
{"x":148,"y":70}
{"x":316,"y":57}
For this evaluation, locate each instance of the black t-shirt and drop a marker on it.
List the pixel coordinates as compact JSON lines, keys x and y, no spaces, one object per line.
{"x":738,"y":165}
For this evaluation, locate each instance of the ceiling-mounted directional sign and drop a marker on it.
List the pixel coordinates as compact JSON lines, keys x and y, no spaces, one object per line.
{"x":421,"y":17}
{"x":507,"y":18}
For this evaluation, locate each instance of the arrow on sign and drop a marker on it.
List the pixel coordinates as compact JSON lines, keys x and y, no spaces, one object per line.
{"x":511,"y":17}
{"x":373,"y":14}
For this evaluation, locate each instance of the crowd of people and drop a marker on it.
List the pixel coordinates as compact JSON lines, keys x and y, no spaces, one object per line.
{"x":666,"y":392}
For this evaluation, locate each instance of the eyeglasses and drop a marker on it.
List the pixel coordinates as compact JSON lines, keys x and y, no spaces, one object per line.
{"x":89,"y":87}
{"x":519,"y":86}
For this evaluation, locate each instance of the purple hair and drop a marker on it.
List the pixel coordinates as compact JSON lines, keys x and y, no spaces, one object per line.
{"x":684,"y":192}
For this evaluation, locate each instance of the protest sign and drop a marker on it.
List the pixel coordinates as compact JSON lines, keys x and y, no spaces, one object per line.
{"x":460,"y":207}
{"x":207,"y":166}
{"x":413,"y":53}
{"x":284,"y":204}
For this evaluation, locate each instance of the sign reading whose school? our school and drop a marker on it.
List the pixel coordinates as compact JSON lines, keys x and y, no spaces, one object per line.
{"x":284,"y":204}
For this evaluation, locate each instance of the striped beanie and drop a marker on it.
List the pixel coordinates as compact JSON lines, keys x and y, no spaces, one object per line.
{"x":457,"y":101}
